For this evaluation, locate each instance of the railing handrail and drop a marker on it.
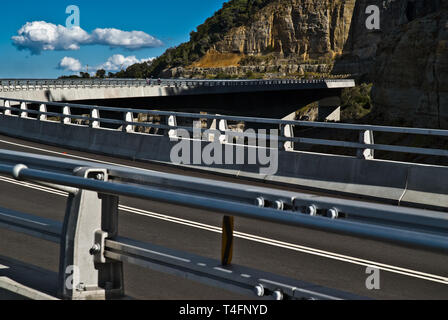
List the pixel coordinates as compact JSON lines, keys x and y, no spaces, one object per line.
{"x":311,"y":124}
{"x":128,"y":124}
{"x":404,"y":226}
{"x":60,"y":175}
{"x":25,"y":84}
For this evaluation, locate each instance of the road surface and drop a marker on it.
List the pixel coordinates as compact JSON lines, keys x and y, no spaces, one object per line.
{"x":329,"y":260}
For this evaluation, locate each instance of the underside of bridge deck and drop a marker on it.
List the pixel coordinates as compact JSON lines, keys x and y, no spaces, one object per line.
{"x":272,"y":104}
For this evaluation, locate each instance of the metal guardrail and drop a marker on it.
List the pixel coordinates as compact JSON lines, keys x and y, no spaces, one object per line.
{"x":42,"y":84}
{"x":90,"y":241}
{"x":91,"y":116}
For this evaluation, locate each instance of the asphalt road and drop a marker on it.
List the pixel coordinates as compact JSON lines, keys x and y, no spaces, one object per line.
{"x":325,"y":259}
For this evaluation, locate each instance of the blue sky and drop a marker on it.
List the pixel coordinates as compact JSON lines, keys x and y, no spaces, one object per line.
{"x":169,"y":21}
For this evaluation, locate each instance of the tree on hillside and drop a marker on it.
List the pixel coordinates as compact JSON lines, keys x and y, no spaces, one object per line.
{"x":234,"y":13}
{"x":101,"y":73}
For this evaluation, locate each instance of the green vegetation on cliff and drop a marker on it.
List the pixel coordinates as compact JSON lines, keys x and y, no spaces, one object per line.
{"x":234,"y":13}
{"x":356,"y":102}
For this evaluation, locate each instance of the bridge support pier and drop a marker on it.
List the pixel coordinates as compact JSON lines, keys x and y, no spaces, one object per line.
{"x":330,"y":110}
{"x":90,"y":218}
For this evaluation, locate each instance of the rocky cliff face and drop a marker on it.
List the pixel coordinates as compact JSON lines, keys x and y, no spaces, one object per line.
{"x":407,"y":59}
{"x":411,"y":73}
{"x":360,"y":50}
{"x":294,"y":29}
{"x":303,"y":30}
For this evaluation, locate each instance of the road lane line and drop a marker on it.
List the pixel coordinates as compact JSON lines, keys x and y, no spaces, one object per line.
{"x":67,"y":155}
{"x":290,"y":246}
{"x":258,"y":239}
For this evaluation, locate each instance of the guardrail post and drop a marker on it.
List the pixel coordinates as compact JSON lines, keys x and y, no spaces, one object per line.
{"x":211,"y":124}
{"x":7,"y":104}
{"x":66,"y":112}
{"x":223,"y":127}
{"x":95,"y":114}
{"x":24,"y":108}
{"x":287,"y":131}
{"x":43,"y":108}
{"x":172,"y":122}
{"x":129,"y":117}
{"x":84,"y":273}
{"x":197,"y":127}
{"x":366,"y":137}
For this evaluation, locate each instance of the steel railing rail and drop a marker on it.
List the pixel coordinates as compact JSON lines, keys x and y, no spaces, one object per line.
{"x":290,"y":201}
{"x":404,"y":226}
{"x":377,"y":232}
{"x":23,"y":111}
{"x":310,"y":141}
{"x":342,"y":126}
{"x":194,"y":267}
{"x":31,"y":225}
{"x":12,"y":85}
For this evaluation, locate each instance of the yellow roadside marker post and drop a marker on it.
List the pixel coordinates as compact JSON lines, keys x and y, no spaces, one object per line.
{"x":227,"y":240}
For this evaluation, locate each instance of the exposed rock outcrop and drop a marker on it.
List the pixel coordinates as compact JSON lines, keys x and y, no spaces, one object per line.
{"x":269,"y":71}
{"x":295,"y":29}
{"x":361,"y":47}
{"x":411,"y":73}
{"x":407,"y":59}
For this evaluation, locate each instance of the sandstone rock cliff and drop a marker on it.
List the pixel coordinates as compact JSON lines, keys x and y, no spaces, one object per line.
{"x":294,"y":29}
{"x":406,"y":59}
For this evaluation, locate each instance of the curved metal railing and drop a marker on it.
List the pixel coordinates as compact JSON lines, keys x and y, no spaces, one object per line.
{"x":7,"y":85}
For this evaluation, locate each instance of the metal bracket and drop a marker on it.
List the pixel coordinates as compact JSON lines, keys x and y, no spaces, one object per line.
{"x":90,"y":219}
{"x":98,"y":248}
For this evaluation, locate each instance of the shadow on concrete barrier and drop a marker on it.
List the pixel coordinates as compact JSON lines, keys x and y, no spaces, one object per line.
{"x":392,"y":182}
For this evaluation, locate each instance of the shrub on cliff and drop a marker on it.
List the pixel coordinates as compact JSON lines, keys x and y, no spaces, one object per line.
{"x":234,"y":13}
{"x":356,"y":102}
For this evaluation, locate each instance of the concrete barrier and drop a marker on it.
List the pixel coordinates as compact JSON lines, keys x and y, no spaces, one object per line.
{"x":391,"y":182}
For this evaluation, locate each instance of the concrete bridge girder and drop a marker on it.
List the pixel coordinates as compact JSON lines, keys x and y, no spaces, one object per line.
{"x":262,"y":100}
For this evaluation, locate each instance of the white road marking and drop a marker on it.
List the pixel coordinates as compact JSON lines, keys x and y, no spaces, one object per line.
{"x":257,"y":239}
{"x":70,"y":155}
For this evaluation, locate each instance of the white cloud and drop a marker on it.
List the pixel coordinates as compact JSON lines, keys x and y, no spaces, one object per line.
{"x":118,"y":62}
{"x":41,"y":36}
{"x":130,"y":40}
{"x":70,"y":64}
{"x":114,"y":63}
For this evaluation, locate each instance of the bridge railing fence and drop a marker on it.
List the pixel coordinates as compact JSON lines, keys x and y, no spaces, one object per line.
{"x":211,"y":127}
{"x":93,"y":252}
{"x":7,"y":85}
